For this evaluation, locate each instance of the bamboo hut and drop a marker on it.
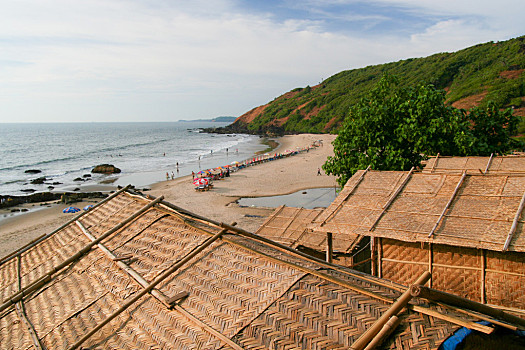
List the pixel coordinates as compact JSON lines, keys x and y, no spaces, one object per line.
{"x":141,"y":273}
{"x":290,"y":226}
{"x":466,"y":229}
{"x":483,"y":165}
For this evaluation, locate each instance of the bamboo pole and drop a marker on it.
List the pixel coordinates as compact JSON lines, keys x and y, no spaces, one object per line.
{"x":488,"y":163}
{"x":281,"y":247}
{"x":418,"y":290}
{"x":209,"y":329}
{"x":514,"y":223}
{"x":435,"y":163}
{"x":273,"y":215}
{"x":479,"y":316}
{"x":21,"y":311}
{"x":350,"y":192}
{"x":329,"y":247}
{"x":451,"y":199}
{"x":384,"y":333}
{"x":45,"y":236}
{"x":325,"y":277}
{"x":129,"y":270}
{"x":483,"y":274}
{"x":372,"y":256}
{"x":380,"y":257}
{"x":396,"y":307}
{"x":430,"y":260}
{"x":47,"y":277}
{"x":460,"y":322}
{"x":392,"y":198}
{"x":150,"y":287}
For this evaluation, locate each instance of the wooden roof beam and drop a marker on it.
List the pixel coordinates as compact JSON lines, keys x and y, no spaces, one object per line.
{"x":488,"y":163}
{"x":456,"y":190}
{"x":43,"y":237}
{"x":21,"y":311}
{"x":48,"y":276}
{"x":124,"y":267}
{"x":150,"y":286}
{"x":347,"y":195}
{"x":392,"y":198}
{"x":396,"y":307}
{"x":435,"y":163}
{"x":421,"y":291}
{"x":514,"y":224}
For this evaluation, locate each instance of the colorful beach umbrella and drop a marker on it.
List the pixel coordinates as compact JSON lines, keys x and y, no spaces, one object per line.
{"x":87,"y":207}
{"x":200,"y":182}
{"x":71,"y":210}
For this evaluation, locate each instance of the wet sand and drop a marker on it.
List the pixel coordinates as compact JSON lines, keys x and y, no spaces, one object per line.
{"x":282,"y":176}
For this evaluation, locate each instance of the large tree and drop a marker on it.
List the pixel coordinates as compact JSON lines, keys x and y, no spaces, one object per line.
{"x":394,"y":128}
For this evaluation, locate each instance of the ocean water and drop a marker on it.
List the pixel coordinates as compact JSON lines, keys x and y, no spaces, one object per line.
{"x":143,"y":151}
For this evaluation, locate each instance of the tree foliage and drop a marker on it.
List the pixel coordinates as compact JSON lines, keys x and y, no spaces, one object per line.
{"x":493,"y":71}
{"x":394,"y":128}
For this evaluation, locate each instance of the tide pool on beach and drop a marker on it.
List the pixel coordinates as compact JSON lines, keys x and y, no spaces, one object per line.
{"x":308,"y":199}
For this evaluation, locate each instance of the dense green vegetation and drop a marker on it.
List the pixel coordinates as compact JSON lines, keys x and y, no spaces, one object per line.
{"x":393,"y":127}
{"x":489,"y":72}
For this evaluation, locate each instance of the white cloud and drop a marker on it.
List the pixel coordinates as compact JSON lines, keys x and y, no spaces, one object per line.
{"x":186,"y":59}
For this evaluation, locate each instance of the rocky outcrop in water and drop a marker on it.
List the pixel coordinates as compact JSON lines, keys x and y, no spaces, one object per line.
{"x":38,"y":181}
{"x":105,"y":169}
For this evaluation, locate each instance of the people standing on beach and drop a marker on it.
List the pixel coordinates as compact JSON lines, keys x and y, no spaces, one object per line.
{"x":172,"y":176}
{"x":167,"y":176}
{"x":318,"y":171}
{"x":193,"y":175}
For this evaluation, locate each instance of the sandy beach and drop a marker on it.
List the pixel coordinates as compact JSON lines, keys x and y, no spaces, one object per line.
{"x":282,"y":176}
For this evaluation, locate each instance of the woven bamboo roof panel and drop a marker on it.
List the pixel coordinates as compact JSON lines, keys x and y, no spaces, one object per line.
{"x":287,"y":225}
{"x":476,"y":212}
{"x":238,"y":291}
{"x":322,"y":315}
{"x":501,"y":164}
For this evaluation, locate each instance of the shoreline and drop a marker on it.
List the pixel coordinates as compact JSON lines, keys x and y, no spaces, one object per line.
{"x":287,"y":175}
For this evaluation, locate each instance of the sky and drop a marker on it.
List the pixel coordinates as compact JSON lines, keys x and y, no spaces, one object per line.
{"x":166,"y":60}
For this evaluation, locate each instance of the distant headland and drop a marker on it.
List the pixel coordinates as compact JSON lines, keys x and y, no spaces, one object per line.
{"x":214,"y":120}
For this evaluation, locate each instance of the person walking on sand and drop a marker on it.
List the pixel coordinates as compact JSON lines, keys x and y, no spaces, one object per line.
{"x":318,"y":171}
{"x":193,"y":175}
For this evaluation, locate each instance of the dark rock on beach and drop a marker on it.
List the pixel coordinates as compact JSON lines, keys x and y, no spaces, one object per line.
{"x":28,"y":190}
{"x":33,"y":171}
{"x":86,"y":175}
{"x":105,"y":169}
{"x":69,"y":198}
{"x":64,"y":197}
{"x":79,"y":179}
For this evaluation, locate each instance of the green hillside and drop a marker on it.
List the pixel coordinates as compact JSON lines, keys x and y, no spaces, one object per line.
{"x":471,"y":77}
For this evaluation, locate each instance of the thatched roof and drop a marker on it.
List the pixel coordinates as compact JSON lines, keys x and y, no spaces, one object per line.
{"x":287,"y":225}
{"x":470,"y":210}
{"x":212,"y":287}
{"x":479,"y":165}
